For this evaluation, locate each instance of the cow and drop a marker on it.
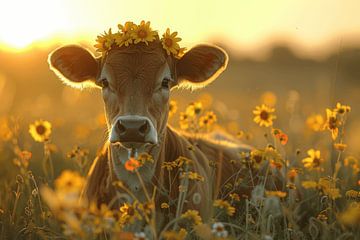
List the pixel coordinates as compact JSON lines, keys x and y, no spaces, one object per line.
{"x":136,"y":82}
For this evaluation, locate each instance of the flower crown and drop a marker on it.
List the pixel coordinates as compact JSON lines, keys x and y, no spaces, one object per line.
{"x":131,"y":33}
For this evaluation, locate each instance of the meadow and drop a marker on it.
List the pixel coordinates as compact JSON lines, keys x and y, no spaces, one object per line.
{"x":300,"y":115}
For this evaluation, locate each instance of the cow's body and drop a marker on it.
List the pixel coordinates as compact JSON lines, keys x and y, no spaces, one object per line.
{"x":202,"y":151}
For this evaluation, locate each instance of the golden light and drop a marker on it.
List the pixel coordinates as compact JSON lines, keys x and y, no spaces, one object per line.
{"x":24,"y":21}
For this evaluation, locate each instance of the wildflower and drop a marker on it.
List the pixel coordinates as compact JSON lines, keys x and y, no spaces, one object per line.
{"x":192,"y":176}
{"x":169,"y":165}
{"x":223,"y":204}
{"x":69,"y":181}
{"x":313,"y":161}
{"x":234,"y":196}
{"x":264,"y":115}
{"x":124,"y":37}
{"x":352,"y":195}
{"x":144,"y":158}
{"x":218,"y":230}
{"x":146,"y":208}
{"x":342,"y":109}
{"x":279,"y":194}
{"x":132,"y":164}
{"x":172,"y":108}
{"x":140,"y":236}
{"x":192,"y":215}
{"x":170,"y":42}
{"x":269,"y":98}
{"x":332,"y":123}
{"x":194,"y":108}
{"x":340,"y":146}
{"x":183,"y":161}
{"x":143,"y":33}
{"x":207,"y":120}
{"x":104,"y":41}
{"x":129,"y":213}
{"x":283,"y":138}
{"x":315,"y":122}
{"x":257,"y":156}
{"x":5,"y":131}
{"x":164,"y":205}
{"x":309,"y":184}
{"x":184,"y":121}
{"x":327,"y":185}
{"x":292,"y":173}
{"x":40,"y":130}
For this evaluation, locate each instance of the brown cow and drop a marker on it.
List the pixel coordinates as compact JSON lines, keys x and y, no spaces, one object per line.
{"x":135,"y":82}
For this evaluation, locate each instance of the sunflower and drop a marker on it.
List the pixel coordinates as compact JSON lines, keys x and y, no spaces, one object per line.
{"x":315,"y":122}
{"x":223,"y":204}
{"x":313,"y":161}
{"x":69,"y":181}
{"x":40,"y":130}
{"x":194,"y":108}
{"x":332,"y":123}
{"x":143,"y":33}
{"x":170,"y":42}
{"x":264,"y":115}
{"x":104,"y":41}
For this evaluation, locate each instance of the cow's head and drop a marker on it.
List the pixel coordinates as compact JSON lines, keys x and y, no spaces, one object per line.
{"x":136,"y":81}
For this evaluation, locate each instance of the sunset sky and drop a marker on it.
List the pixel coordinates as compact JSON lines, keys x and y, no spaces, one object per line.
{"x":244,"y":25}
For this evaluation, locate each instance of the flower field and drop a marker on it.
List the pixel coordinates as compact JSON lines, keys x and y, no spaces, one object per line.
{"x":296,"y":193}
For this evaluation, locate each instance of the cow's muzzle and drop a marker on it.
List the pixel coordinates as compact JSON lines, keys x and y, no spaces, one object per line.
{"x":133,"y":130}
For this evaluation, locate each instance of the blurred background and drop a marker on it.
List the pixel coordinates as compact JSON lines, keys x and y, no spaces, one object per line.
{"x":298,"y":56}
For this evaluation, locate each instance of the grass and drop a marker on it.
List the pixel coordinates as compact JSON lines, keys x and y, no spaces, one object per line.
{"x":294,"y":193}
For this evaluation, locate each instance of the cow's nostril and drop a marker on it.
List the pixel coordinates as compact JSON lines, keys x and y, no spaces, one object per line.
{"x":144,"y":128}
{"x":121,"y":128}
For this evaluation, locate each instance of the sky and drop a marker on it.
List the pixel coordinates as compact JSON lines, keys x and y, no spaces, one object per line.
{"x":310,"y":26}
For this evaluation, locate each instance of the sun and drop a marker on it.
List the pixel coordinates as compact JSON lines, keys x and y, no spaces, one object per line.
{"x":22,"y":22}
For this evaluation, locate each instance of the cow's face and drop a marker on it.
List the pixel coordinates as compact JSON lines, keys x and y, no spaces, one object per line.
{"x":135,"y":82}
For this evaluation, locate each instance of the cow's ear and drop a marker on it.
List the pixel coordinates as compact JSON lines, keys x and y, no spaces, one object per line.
{"x":201,"y":65}
{"x":74,"y":65}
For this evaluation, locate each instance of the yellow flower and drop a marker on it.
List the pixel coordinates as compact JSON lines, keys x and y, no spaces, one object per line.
{"x":269,"y":98}
{"x":340,"y":146}
{"x":342,"y":109}
{"x":164,"y":205}
{"x":124,"y":36}
{"x":332,"y":123}
{"x":352,"y":195}
{"x":327,"y":185}
{"x":279,"y":194}
{"x":170,"y":42}
{"x":315,"y":122}
{"x":192,"y":215}
{"x":129,"y":213}
{"x":5,"y":130}
{"x":40,"y":130}
{"x":169,"y":165}
{"x":172,"y":108}
{"x":313,"y":161}
{"x":264,"y":115}
{"x":184,"y":121}
{"x":183,"y":161}
{"x":194,"y":108}
{"x":309,"y":184}
{"x":234,"y":196}
{"x":193,"y":176}
{"x":223,"y":204}
{"x":143,"y":33}
{"x":104,"y":41}
{"x":69,"y":181}
{"x":207,"y":120}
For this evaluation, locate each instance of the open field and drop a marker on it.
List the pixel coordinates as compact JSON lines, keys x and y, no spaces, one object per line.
{"x":313,"y":152}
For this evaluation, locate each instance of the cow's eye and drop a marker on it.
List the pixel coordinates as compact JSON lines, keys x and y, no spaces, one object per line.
{"x":104,"y":83}
{"x":165,"y":83}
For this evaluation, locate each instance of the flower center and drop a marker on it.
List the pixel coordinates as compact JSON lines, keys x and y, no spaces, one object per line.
{"x":316,"y":162}
{"x":332,"y":123}
{"x":168,"y":42}
{"x":40,"y":129}
{"x":264,"y":115}
{"x":142,"y":33}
